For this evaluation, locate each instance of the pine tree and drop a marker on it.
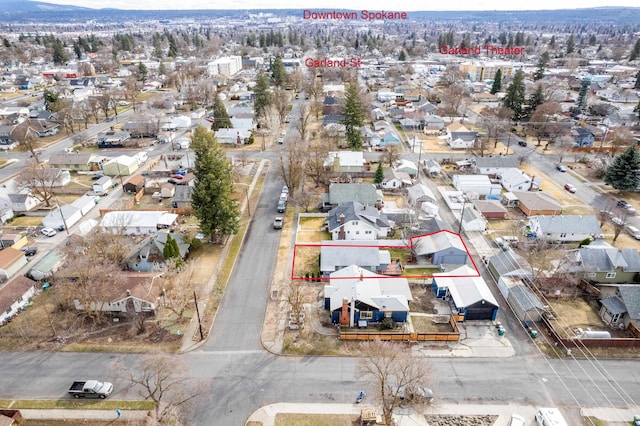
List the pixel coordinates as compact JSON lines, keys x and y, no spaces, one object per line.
{"x":637,"y":85}
{"x":497,"y":82}
{"x":624,"y":173}
{"x":571,"y":44}
{"x":220,"y":117}
{"x":262,"y":96}
{"x":635,"y":53}
{"x":170,"y":249}
{"x":402,"y":56}
{"x":379,"y":177}
{"x":142,"y":71}
{"x":353,"y":117}
{"x":543,"y":63}
{"x":515,"y":97}
{"x":582,"y":95}
{"x":536,"y":99}
{"x":592,"y":40}
{"x":217,"y":212}
{"x":637,"y":110}
{"x":552,"y":42}
{"x":59,"y":54}
{"x":278,"y":73}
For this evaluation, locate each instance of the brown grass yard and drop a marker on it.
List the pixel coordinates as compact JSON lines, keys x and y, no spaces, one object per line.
{"x":292,"y":419}
{"x":575,"y":313}
{"x":311,"y":223}
{"x":426,"y":325}
{"x":307,"y":261}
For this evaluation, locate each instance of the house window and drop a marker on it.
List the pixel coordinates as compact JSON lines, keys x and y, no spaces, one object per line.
{"x":563,"y":235}
{"x":355,"y":222}
{"x":387,"y":314}
{"x":366,"y":315}
{"x":611,"y":275}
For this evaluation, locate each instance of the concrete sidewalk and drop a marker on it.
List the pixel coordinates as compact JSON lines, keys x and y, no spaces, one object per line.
{"x":105,"y":415}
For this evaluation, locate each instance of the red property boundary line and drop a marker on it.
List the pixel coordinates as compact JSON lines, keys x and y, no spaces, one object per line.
{"x":406,"y":247}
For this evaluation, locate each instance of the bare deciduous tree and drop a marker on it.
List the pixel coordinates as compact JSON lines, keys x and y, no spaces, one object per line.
{"x":177,"y":288}
{"x":394,"y":373}
{"x":161,"y":378}
{"x":305,"y":119}
{"x":40,"y":180}
{"x":314,"y":164}
{"x":281,"y":103}
{"x":291,"y":164}
{"x":390,"y":155}
{"x":296,"y":299}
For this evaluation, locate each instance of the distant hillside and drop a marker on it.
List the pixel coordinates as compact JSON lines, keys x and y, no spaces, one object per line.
{"x":38,"y":11}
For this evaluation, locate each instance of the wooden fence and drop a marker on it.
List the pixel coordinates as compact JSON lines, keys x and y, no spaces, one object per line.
{"x":593,"y":343}
{"x":452,"y":336}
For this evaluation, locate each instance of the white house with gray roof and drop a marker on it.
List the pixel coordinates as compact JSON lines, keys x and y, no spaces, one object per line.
{"x":609,"y":265}
{"x":365,"y":193}
{"x":335,"y":255}
{"x":356,"y":221}
{"x":620,"y":305}
{"x":564,"y":228}
{"x":495,"y":164}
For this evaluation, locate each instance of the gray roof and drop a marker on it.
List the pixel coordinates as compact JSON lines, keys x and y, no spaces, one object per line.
{"x":65,"y":158}
{"x":509,"y":263}
{"x":569,"y":223}
{"x":354,"y":210}
{"x":183,"y":193}
{"x":537,"y":200}
{"x":442,"y":240}
{"x":332,"y":255}
{"x":420,"y":193}
{"x":497,"y":161}
{"x":630,"y":295}
{"x":613,"y":305}
{"x":610,"y":259}
{"x":525,"y":297}
{"x":365,"y":193}
{"x":465,"y":136}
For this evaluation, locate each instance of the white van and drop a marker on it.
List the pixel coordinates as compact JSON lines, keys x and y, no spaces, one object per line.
{"x":634,"y":232}
{"x":550,"y":417}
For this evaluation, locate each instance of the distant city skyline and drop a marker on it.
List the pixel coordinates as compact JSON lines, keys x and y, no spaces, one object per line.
{"x":395,"y":5}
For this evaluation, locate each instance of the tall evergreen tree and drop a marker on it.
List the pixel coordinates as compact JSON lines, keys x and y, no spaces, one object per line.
{"x":571,"y":44}
{"x":543,"y":63}
{"x":217,"y":212}
{"x":635,"y":53}
{"x":537,"y":98}
{"x":171,"y":249}
{"x":497,"y":82}
{"x":637,"y":85}
{"x":142,"y":72}
{"x":402,"y":56}
{"x":552,"y":42}
{"x":379,"y":177}
{"x":59,"y":55}
{"x":353,"y":117}
{"x":637,"y":109}
{"x":278,"y":73}
{"x":515,"y":95}
{"x":221,"y":119}
{"x":582,"y":95}
{"x":262,"y":96}
{"x":624,"y":173}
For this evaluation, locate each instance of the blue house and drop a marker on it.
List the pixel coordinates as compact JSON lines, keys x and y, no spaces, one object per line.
{"x":357,"y":297}
{"x":389,"y":139}
{"x":467,"y":292}
{"x":582,"y":137}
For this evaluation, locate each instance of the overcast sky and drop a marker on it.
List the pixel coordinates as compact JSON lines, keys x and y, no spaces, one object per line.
{"x":398,"y":5}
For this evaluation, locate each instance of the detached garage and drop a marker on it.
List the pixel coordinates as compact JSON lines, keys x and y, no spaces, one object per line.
{"x":469,"y":294}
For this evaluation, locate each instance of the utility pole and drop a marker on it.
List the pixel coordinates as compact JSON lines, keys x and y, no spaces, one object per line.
{"x":195,"y":299}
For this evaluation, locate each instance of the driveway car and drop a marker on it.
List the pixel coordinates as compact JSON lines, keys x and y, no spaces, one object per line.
{"x":522,"y":143}
{"x":177,"y":176}
{"x":280,"y":140}
{"x":561,"y":168}
{"x":281,"y":206}
{"x":277,"y":222}
{"x":173,"y":181}
{"x":29,"y":251}
{"x":572,"y":189}
{"x":285,"y":189}
{"x":48,"y":232}
{"x":98,"y":176}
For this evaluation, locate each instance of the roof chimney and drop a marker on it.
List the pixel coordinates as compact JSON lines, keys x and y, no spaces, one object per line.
{"x":341,"y":217}
{"x":128,"y":292}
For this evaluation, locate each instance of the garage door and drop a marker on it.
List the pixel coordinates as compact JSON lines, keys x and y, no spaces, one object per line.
{"x":478,"y":314}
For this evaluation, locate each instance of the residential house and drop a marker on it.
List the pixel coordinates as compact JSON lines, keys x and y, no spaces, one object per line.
{"x":582,"y":137}
{"x":427,"y":107}
{"x":134,"y":184}
{"x":332,"y":105}
{"x":516,"y":180}
{"x":51,"y":177}
{"x":44,"y":128}
{"x":138,"y":129}
{"x":441,"y":248}
{"x":13,"y":240}
{"x":335,"y":255}
{"x":484,"y":97}
{"x":355,"y":221}
{"x":357,"y":297}
{"x":564,"y":228}
{"x":406,"y":166}
{"x":7,"y":141}
{"x":233,"y":136}
{"x":457,"y":127}
{"x":420,"y":193}
{"x":394,"y":179}
{"x":537,"y":203}
{"x":390,"y":139}
{"x":462,"y":140}
{"x":432,"y":167}
{"x":182,"y":197}
{"x":468,"y":292}
{"x":11,"y":261}
{"x":148,"y":255}
{"x":113,"y":139}
{"x":21,"y":203}
{"x":137,"y":222}
{"x":609,"y":265}
{"x":370,"y":137}
{"x":134,"y":295}
{"x":495,"y":165}
{"x":620,"y":305}
{"x":490,"y":209}
{"x":433,"y":124}
{"x":77,"y":161}
{"x":15,"y":295}
{"x":345,"y":161}
{"x":365,"y":193}
{"x":475,"y":184}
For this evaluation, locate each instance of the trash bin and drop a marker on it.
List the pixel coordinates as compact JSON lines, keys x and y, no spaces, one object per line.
{"x":501,"y":331}
{"x":534,"y":334}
